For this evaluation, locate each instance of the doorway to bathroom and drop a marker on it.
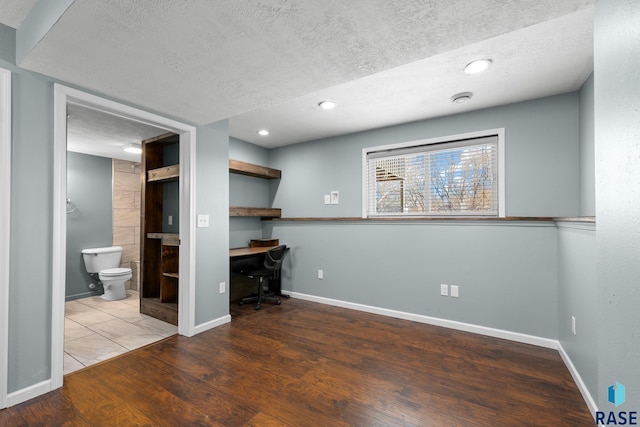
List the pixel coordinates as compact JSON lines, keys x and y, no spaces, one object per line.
{"x":104,"y":211}
{"x":91,"y":321}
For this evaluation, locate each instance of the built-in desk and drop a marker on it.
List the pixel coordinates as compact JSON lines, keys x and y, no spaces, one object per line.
{"x":247,"y":251}
{"x":247,"y":257}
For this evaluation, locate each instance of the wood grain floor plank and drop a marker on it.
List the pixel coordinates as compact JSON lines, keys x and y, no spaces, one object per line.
{"x":306,"y":364}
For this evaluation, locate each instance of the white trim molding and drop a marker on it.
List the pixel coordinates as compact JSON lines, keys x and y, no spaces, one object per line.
{"x":5,"y":227}
{"x":588,"y":399}
{"x":212,"y":324}
{"x":62,"y":96}
{"x":30,"y":392}
{"x":452,"y":324}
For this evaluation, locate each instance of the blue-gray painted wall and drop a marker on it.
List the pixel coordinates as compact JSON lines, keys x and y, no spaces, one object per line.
{"x":30,"y":286}
{"x":90,"y":187}
{"x":542,"y":159}
{"x":587,"y":156}
{"x":212,"y":243}
{"x":507,"y":273}
{"x":617,"y":153}
{"x":247,"y":191}
{"x":7,"y":43}
{"x":577,"y":296}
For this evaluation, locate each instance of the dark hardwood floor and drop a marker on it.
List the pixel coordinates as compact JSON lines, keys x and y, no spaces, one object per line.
{"x":307,"y":364}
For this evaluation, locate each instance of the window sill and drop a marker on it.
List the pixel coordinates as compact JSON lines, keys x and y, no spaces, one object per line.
{"x":590,"y":220}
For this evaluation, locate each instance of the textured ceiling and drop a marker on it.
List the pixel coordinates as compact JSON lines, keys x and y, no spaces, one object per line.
{"x":542,"y":60}
{"x":101,"y":134}
{"x":13,"y":12}
{"x":263,"y":63}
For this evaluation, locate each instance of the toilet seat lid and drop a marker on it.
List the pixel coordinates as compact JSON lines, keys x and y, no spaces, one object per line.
{"x":115,"y":271}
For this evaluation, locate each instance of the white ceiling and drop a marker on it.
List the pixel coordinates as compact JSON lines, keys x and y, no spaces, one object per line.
{"x":267,"y":63}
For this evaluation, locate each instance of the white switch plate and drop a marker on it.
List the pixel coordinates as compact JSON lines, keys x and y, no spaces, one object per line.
{"x":455,"y":291}
{"x":320,"y":274}
{"x":444,"y":290}
{"x":335,"y":197}
{"x":170,"y":220}
{"x":327,"y":199}
{"x":573,"y":324}
{"x":203,"y":220}
{"x":223,"y":287}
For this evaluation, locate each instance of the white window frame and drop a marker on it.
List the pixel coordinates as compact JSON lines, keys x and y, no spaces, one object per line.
{"x":499,"y":132}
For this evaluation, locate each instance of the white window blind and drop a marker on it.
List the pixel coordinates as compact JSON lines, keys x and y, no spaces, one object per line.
{"x":453,"y":178}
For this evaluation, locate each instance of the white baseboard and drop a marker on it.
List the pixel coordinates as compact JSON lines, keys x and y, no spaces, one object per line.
{"x":29,"y":393}
{"x":211,"y":324}
{"x":591,"y":404}
{"x":452,"y":324}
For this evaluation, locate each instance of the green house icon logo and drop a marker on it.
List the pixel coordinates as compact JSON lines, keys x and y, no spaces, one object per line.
{"x":616,"y":394}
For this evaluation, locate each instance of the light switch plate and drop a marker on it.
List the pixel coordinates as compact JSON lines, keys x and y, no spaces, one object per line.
{"x":203,"y":220}
{"x":335,"y":197}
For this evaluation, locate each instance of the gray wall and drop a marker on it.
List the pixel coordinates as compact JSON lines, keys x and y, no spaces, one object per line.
{"x":617,"y":131}
{"x":31,"y":231}
{"x":577,"y":296}
{"x":587,"y":154}
{"x":89,"y":186}
{"x":247,"y":191}
{"x":7,"y":43}
{"x":212,"y":244}
{"x":29,"y":346}
{"x":507,"y":273}
{"x":542,"y":159}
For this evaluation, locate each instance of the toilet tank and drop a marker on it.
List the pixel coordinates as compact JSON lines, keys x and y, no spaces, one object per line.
{"x":98,"y":259}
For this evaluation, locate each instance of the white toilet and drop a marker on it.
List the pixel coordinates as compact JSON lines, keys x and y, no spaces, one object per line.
{"x":105,"y":262}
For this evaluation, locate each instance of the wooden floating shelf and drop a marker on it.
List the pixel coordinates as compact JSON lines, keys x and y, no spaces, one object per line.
{"x":249,"y":169}
{"x":174,"y":275}
{"x":164,"y":174}
{"x":168,"y":239}
{"x":261,"y":212}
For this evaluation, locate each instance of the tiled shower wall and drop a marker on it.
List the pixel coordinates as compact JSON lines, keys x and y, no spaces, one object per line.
{"x":126,"y":215}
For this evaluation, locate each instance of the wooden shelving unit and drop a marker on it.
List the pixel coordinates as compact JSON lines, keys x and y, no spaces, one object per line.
{"x":164,"y":174}
{"x":261,"y":212}
{"x":160,"y":251}
{"x":249,"y":169}
{"x":257,"y":171}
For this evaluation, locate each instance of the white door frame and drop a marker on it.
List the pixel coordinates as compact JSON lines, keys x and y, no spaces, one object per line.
{"x":5,"y":227}
{"x":186,"y":297}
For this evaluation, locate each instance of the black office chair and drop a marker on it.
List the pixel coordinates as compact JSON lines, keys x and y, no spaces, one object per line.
{"x":270,"y":270}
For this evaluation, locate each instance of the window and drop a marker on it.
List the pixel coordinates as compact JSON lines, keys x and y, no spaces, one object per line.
{"x":453,"y":176}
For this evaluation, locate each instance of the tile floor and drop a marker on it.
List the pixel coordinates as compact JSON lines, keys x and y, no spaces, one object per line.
{"x":96,"y":330}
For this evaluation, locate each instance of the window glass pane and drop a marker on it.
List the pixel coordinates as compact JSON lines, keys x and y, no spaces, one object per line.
{"x":457,"y":178}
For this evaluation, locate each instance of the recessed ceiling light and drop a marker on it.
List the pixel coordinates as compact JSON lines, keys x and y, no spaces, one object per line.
{"x":477,"y":66}
{"x":133,"y":148}
{"x":263,"y":132}
{"x":327,"y":105}
{"x":461,"y":98}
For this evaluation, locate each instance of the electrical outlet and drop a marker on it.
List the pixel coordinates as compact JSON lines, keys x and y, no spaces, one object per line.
{"x":455,"y":291}
{"x":573,"y":324}
{"x":223,"y":287}
{"x":327,"y":199}
{"x":170,"y":220}
{"x":320,"y":274}
{"x":444,"y":290}
{"x":203,"y":220}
